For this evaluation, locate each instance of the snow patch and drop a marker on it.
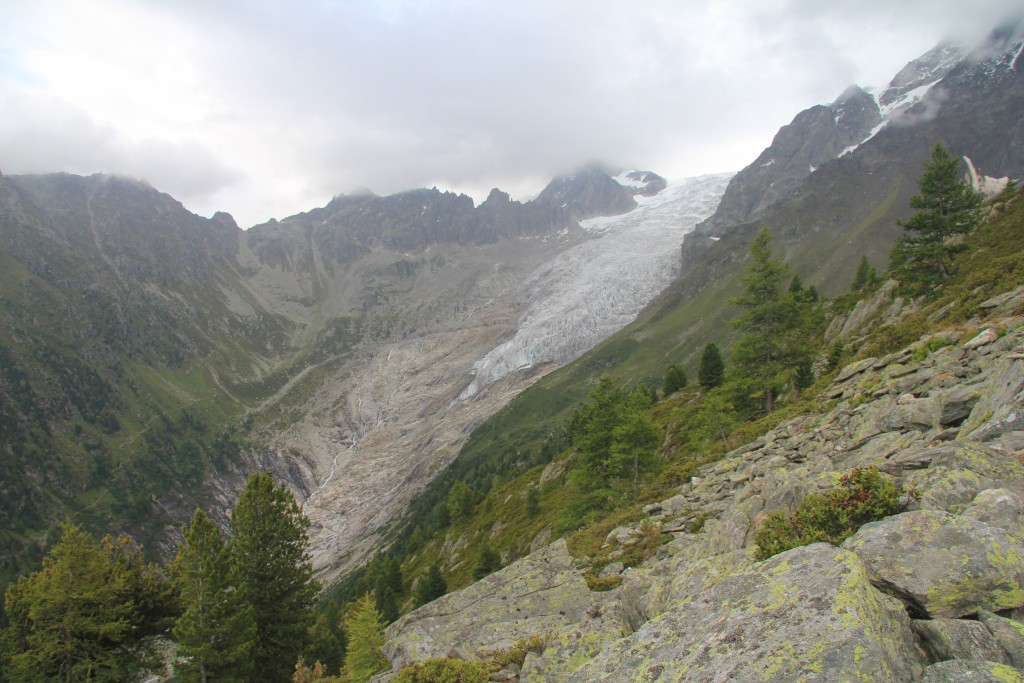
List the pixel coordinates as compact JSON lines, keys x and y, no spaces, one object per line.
{"x":592,"y":290}
{"x":907,"y":99}
{"x":632,"y":183}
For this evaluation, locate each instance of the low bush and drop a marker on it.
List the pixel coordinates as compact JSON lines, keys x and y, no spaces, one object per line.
{"x":862,"y":495}
{"x":444,"y":670}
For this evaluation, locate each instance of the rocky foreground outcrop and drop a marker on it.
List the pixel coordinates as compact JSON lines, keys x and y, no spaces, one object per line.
{"x":935,"y":593}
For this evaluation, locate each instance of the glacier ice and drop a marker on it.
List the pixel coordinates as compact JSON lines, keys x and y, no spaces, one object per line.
{"x":588,"y":292}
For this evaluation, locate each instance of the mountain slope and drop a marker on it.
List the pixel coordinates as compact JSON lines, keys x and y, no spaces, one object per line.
{"x":150,"y":358}
{"x":845,"y":208}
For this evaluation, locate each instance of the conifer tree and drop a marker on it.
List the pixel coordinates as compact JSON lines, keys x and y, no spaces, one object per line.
{"x":765,"y":350}
{"x":327,"y":643}
{"x":674,"y":380}
{"x":85,"y":615}
{"x":634,"y":441}
{"x":712,"y":368}
{"x":268,"y":549}
{"x":865,"y":276}
{"x":365,"y":635}
{"x":461,"y":500}
{"x":946,"y":208}
{"x":488,"y":563}
{"x":216,"y":631}
{"x":532,"y":502}
{"x":431,"y":586}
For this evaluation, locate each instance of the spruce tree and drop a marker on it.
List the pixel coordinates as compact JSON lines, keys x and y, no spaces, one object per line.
{"x":865,"y":276}
{"x":674,"y":380}
{"x":532,"y":502}
{"x":946,"y":208}
{"x":765,"y":350}
{"x":84,"y":615}
{"x":365,"y":635}
{"x":461,"y":500}
{"x":488,"y":563}
{"x":327,"y":638}
{"x":216,"y":631}
{"x":431,"y":586}
{"x":712,"y":368}
{"x":268,"y":549}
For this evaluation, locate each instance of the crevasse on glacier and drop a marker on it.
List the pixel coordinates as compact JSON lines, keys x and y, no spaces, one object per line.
{"x":594,"y":289}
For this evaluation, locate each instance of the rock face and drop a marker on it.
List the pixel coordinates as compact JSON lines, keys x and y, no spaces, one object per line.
{"x":807,"y":614}
{"x":815,"y":136}
{"x":943,"y":565}
{"x":931,"y":593}
{"x":541,"y":593}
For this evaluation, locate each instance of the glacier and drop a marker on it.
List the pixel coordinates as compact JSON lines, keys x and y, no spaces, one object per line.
{"x":596,"y":288}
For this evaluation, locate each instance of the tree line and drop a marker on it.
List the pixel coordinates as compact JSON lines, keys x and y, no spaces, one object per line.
{"x":238,"y":609}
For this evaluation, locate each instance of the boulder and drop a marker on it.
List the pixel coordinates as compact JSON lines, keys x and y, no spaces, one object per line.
{"x":946,"y":639}
{"x":810,"y":613}
{"x":540,"y":593}
{"x":1001,"y":406}
{"x":942,"y":565}
{"x":1008,"y":633}
{"x":970,"y":671}
{"x":957,"y":403}
{"x":1000,"y":508}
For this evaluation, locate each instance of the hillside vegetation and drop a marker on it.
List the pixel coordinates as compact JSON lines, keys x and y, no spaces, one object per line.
{"x":897,"y":386}
{"x":503,"y":499}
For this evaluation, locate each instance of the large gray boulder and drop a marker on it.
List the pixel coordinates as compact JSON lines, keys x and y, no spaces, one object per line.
{"x":946,"y":639}
{"x":809,"y":614}
{"x":538,"y":594}
{"x":970,"y":671}
{"x":942,"y":565}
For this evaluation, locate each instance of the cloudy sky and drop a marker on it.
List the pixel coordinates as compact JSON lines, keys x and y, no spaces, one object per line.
{"x":264,"y":109}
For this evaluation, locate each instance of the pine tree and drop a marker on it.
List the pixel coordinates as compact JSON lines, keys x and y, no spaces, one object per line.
{"x":674,"y":380}
{"x":327,"y":643}
{"x":83,"y":616}
{"x":268,"y":549}
{"x":946,"y":208}
{"x":488,"y":563}
{"x":764,"y":352}
{"x":216,"y":632}
{"x":532,"y":502}
{"x":866,"y":276}
{"x":431,"y":586}
{"x":634,"y":441}
{"x":365,"y":634}
{"x":461,"y":500}
{"x":712,"y":368}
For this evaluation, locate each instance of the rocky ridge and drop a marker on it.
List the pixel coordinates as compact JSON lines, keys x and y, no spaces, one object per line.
{"x":933,"y":593}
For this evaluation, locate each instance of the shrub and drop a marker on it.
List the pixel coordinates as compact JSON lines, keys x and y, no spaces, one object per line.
{"x":444,"y":670}
{"x":863,"y":495}
{"x":504,"y":657}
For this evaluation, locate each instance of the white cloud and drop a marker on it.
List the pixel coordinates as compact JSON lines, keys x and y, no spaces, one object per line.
{"x":265,"y":109}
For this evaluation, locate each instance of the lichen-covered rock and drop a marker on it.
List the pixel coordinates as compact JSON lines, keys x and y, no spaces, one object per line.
{"x":540,"y":593}
{"x":1008,"y":633}
{"x":1001,"y":406}
{"x":941,"y":564}
{"x":946,"y":489}
{"x":946,"y":639}
{"x":957,"y":403}
{"x":570,"y":649}
{"x":1000,"y":508}
{"x":809,"y":614}
{"x":964,"y":671}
